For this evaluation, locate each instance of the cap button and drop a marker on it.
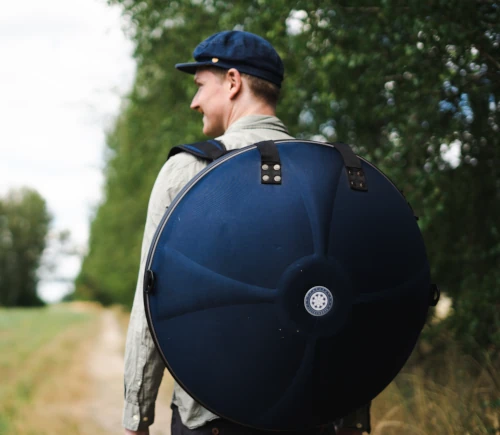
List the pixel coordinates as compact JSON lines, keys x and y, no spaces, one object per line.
{"x":215,"y":60}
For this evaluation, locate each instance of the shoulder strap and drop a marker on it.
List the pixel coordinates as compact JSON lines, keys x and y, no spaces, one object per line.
{"x":208,"y":150}
{"x":355,"y":172}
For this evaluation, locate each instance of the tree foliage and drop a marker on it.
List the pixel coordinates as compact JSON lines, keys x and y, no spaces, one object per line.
{"x":413,"y":86}
{"x":24,"y":223}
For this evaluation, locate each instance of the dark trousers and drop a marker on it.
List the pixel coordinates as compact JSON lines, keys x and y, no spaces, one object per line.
{"x":220,"y":426}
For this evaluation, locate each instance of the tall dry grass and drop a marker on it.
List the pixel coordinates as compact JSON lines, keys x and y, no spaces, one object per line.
{"x":442,"y":392}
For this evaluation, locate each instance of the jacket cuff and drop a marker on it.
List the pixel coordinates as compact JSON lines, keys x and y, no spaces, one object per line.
{"x":133,"y":419}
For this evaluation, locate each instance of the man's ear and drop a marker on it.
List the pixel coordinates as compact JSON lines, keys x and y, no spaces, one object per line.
{"x":234,"y":82}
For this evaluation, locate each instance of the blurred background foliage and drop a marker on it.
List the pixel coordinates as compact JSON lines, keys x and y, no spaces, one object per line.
{"x":24,"y":224}
{"x":413,"y":86}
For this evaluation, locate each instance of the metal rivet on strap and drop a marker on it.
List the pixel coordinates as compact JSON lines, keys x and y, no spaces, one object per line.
{"x":265,"y":167}
{"x":277,"y":178}
{"x":277,"y":167}
{"x":265,"y":177}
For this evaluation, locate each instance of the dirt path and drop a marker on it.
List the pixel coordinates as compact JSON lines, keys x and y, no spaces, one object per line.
{"x":79,"y":390}
{"x":103,"y":405}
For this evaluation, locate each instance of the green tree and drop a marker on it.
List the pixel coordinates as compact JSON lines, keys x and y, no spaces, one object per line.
{"x":24,"y":223}
{"x":406,"y":83}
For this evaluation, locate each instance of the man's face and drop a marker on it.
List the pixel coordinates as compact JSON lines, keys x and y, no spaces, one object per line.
{"x":211,"y":101}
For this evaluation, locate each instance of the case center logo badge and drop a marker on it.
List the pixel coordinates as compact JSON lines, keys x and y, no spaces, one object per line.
{"x":318,"y":301}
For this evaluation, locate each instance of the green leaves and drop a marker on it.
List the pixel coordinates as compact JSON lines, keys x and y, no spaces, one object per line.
{"x":397,"y":80}
{"x":24,"y":223}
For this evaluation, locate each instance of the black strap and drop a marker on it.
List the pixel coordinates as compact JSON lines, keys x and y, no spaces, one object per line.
{"x":211,"y":150}
{"x":355,"y":173}
{"x":208,"y":150}
{"x":270,"y":162}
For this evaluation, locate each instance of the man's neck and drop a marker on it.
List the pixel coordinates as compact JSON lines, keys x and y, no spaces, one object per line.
{"x":251,"y":109}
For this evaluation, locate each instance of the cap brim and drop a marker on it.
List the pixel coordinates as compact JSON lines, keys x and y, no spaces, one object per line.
{"x":191,"y":68}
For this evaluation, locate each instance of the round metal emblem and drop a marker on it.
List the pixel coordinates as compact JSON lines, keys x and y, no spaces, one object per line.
{"x":318,"y":301}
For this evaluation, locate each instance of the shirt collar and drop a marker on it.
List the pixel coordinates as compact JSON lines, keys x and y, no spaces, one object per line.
{"x":253,"y":122}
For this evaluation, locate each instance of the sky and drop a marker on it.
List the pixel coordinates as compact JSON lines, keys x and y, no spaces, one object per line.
{"x":64,"y":68}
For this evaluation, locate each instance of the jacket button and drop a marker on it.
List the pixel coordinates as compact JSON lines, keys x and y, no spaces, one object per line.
{"x":215,"y":431}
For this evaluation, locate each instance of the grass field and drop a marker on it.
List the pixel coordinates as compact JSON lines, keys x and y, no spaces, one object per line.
{"x":46,"y":385}
{"x":36,"y":348}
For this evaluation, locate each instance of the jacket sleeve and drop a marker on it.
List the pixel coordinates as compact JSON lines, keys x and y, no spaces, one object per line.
{"x":143,"y":365}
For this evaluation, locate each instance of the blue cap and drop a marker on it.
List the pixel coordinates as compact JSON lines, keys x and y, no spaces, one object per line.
{"x":248,"y":53}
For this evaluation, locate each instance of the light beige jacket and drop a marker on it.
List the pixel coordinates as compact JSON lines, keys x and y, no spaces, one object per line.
{"x":143,"y":365}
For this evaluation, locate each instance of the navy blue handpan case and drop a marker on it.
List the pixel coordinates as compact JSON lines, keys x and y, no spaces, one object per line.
{"x":287,"y":284}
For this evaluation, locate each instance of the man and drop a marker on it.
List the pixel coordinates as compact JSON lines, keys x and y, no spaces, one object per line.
{"x":238,"y":75}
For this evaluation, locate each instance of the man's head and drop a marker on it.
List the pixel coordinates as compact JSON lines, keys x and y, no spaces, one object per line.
{"x":237,"y":74}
